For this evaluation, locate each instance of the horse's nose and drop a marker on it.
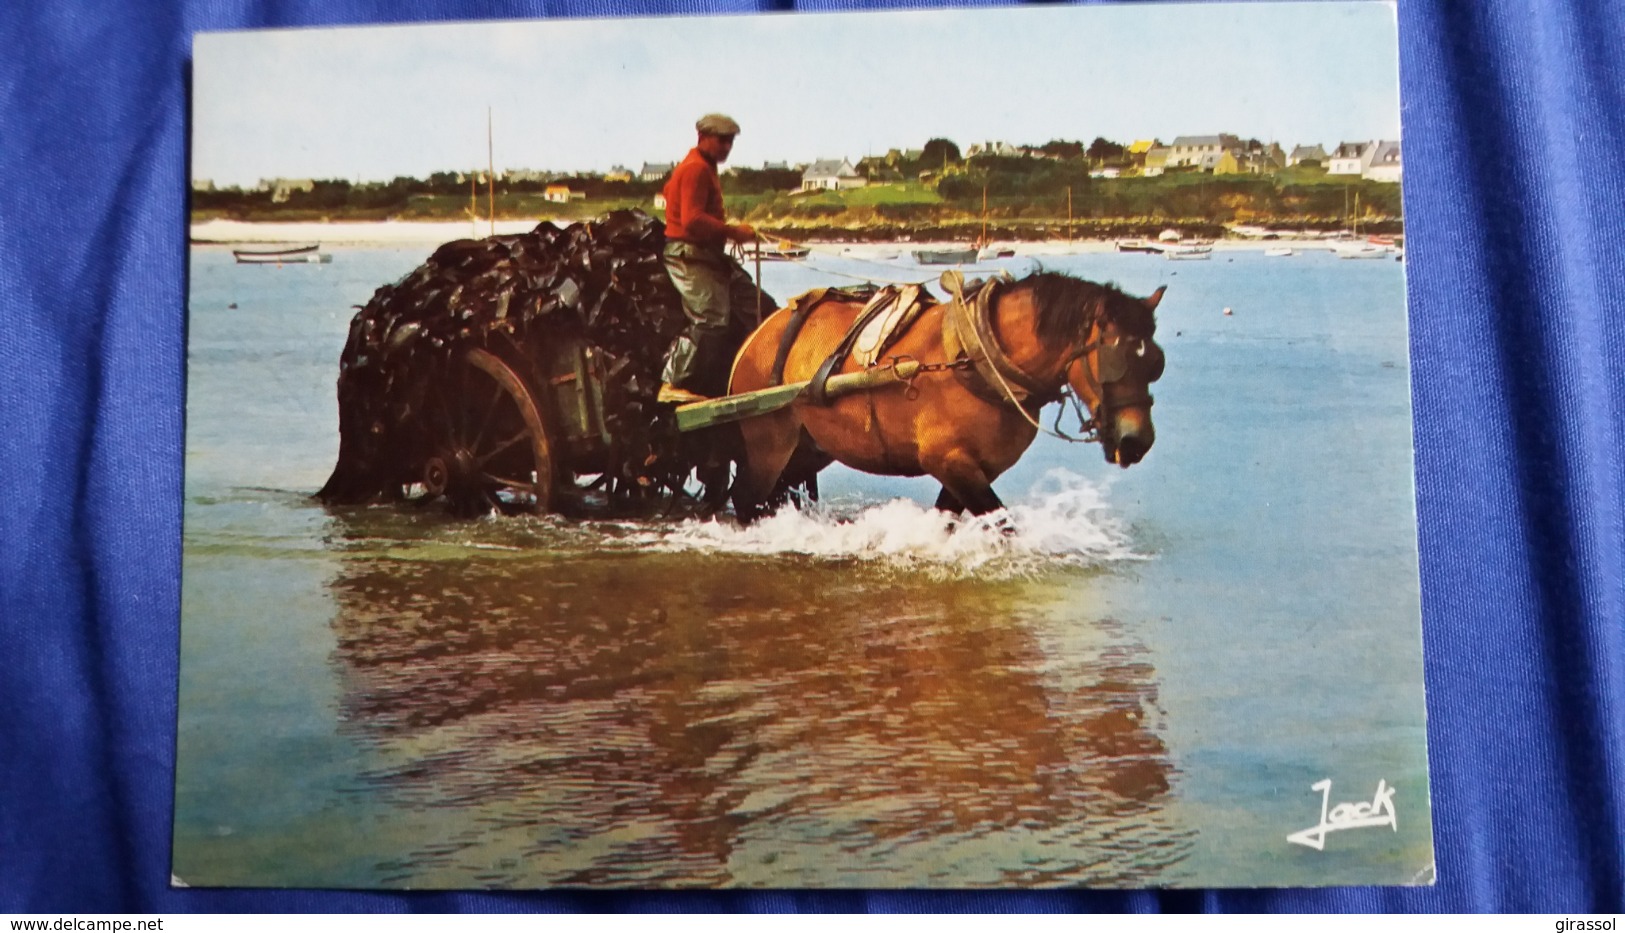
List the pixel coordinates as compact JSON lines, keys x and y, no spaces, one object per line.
{"x":1135,"y":435}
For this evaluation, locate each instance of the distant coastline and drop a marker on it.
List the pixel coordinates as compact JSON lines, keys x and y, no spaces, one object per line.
{"x":231,"y":233}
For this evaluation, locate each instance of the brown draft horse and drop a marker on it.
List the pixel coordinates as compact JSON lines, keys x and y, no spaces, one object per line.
{"x":958,"y":424}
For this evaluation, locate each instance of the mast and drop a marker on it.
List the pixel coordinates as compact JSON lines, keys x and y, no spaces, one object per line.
{"x":984,"y":214}
{"x":1069,"y":213}
{"x":491,"y":174}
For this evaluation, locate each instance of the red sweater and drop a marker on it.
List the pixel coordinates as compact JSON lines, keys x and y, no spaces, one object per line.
{"x":694,"y":202}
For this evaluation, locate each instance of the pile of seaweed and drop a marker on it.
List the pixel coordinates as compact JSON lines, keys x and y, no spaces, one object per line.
{"x":601,"y":282}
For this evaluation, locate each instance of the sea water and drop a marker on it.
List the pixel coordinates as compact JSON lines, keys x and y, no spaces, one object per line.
{"x":1141,"y":687}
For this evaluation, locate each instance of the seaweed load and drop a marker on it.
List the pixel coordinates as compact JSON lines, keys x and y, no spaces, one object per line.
{"x":527,"y":299}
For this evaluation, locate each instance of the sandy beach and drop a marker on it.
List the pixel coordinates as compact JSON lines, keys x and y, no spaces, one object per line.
{"x":227,"y":233}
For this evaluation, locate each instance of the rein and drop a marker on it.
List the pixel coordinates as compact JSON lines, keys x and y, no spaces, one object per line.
{"x":978,"y":325}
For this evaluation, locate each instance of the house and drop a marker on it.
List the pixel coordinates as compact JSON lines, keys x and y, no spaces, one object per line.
{"x":561,"y":194}
{"x":202,"y":184}
{"x":831,"y":174}
{"x":1385,"y":163}
{"x":1377,"y":160}
{"x":524,"y":174}
{"x":1200,"y":152}
{"x":283,"y":188}
{"x":654,"y":171}
{"x":1109,"y":171}
{"x":992,"y":148}
{"x":1302,"y":154}
{"x":1156,"y":160}
{"x":1348,"y":159}
{"x":1140,"y":147}
{"x":1266,"y":160}
{"x":660,"y":201}
{"x":618,"y":173}
{"x":775,"y":166}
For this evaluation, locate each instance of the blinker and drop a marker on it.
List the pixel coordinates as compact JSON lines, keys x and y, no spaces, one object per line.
{"x":1111,"y":361}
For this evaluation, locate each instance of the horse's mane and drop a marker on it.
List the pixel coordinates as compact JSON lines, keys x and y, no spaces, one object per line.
{"x":1068,"y":306}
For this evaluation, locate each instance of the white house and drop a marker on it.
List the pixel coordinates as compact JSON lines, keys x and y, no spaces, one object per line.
{"x":1376,"y":160}
{"x":831,"y":174}
{"x":654,"y":171}
{"x":1348,"y":159}
{"x":1385,"y":163}
{"x":992,"y":148}
{"x":282,"y":188}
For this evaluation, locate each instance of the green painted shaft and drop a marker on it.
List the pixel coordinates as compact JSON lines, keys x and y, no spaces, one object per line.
{"x":696,"y":415}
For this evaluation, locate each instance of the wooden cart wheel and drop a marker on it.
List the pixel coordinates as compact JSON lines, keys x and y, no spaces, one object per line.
{"x":488,"y":443}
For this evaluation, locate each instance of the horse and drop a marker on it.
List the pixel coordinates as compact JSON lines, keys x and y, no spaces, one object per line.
{"x":987,"y":364}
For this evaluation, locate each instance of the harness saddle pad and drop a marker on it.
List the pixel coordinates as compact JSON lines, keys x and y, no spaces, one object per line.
{"x":887,"y":315}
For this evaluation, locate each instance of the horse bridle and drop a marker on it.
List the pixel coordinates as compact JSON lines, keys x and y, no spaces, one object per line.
{"x":1113,"y":355}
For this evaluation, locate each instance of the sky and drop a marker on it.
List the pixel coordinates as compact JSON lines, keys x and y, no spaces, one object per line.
{"x":371,"y":103}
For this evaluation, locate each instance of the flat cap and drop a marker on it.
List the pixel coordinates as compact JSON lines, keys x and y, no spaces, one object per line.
{"x":717,"y":125}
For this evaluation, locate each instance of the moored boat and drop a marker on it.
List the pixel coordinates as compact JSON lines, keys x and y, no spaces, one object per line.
{"x":1276,"y":251}
{"x":276,"y":259}
{"x":952,"y":256}
{"x":1189,"y":252}
{"x":768,"y":252}
{"x":283,"y":254}
{"x":1137,"y":246}
{"x":1362,"y":251}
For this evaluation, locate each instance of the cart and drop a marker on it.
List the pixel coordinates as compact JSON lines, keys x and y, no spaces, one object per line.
{"x":518,"y":374}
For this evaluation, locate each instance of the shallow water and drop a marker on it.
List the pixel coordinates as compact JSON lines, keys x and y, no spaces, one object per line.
{"x":1137,"y":689}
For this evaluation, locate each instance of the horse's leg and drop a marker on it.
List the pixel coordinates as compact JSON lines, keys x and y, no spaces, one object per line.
{"x":966,"y":483}
{"x":948,"y":502}
{"x":770,"y":440}
{"x":802,"y":472}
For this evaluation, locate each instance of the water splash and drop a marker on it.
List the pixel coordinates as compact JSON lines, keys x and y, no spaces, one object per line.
{"x":1064,"y":521}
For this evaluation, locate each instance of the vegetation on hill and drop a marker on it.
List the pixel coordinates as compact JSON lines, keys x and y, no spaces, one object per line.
{"x":931,"y":193}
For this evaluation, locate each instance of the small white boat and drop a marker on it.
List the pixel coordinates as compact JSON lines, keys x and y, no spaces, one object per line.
{"x":945,"y":257}
{"x":278,"y":259}
{"x":1188,"y":252}
{"x":1362,"y":251}
{"x":1278,"y":251}
{"x":276,"y":253}
{"x":995,"y":252}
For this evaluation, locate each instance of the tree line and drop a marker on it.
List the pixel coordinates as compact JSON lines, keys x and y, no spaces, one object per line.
{"x":1063,"y":183}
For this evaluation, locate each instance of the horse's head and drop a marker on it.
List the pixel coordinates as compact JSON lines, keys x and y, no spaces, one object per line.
{"x":1113,"y":374}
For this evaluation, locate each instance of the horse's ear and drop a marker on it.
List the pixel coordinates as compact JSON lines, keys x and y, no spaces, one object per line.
{"x":1156,"y":296}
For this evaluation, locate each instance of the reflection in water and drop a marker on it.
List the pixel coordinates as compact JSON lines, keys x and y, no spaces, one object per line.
{"x":604,"y":718}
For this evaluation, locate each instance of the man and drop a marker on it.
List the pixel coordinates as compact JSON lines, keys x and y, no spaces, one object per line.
{"x":711,"y":283}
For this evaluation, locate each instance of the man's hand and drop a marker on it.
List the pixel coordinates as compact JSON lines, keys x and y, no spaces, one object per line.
{"x":742,"y":233}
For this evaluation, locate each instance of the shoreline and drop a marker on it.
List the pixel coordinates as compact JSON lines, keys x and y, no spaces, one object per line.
{"x":234,"y":233}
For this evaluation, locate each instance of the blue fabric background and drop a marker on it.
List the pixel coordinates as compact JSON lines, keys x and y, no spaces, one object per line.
{"x":1514,"y":122}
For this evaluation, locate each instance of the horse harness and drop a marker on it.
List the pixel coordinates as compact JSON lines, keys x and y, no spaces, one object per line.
{"x":976,"y":358}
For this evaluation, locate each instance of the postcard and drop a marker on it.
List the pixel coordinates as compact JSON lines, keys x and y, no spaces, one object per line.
{"x":976,"y":458}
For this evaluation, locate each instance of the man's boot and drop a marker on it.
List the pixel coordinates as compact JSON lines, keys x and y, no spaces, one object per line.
{"x":680,"y":367}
